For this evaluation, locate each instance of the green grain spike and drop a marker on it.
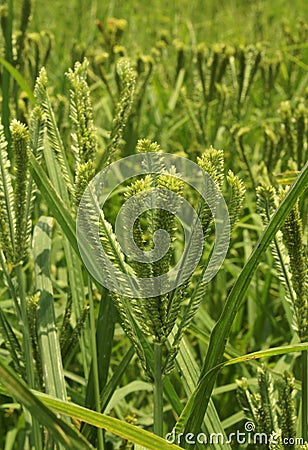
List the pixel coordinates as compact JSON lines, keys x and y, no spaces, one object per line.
{"x":52,"y":130}
{"x":236,"y":199}
{"x":267,"y":408}
{"x":287,"y":408}
{"x":20,"y":146}
{"x":32,"y":305}
{"x":267,"y":201}
{"x":84,"y":141}
{"x":68,"y":345}
{"x":212,"y":162}
{"x":84,"y":174}
{"x":247,"y":400}
{"x":7,"y":204}
{"x":128,"y":82}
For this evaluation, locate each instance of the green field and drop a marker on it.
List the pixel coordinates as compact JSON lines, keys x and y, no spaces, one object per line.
{"x":182,"y":103}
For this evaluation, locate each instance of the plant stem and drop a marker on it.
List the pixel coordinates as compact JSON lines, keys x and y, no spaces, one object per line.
{"x":35,"y":436}
{"x":100,"y":436}
{"x":305,"y":395}
{"x":158,"y":390}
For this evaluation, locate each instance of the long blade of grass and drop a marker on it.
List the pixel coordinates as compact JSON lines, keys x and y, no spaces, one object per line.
{"x":116,"y":426}
{"x":60,"y":430}
{"x":283,"y":350}
{"x":47,"y":331}
{"x":175,"y":94}
{"x":65,"y":220}
{"x":222,"y":328}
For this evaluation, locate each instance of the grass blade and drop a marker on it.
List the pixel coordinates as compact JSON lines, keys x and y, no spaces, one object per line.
{"x":47,"y":334}
{"x":116,"y":426}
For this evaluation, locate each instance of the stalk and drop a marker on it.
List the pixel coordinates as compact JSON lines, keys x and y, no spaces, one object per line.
{"x":35,"y":434}
{"x":100,"y":436}
{"x":305,"y":395}
{"x":158,"y":390}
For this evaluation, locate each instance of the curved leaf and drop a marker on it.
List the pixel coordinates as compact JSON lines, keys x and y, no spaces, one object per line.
{"x":116,"y":426}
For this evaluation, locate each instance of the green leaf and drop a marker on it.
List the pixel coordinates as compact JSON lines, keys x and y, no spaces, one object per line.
{"x":267,"y":353}
{"x":46,"y":326}
{"x":12,"y":343}
{"x":116,"y":426}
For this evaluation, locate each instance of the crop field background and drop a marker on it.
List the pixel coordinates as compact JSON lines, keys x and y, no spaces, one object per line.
{"x":221,"y":86}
